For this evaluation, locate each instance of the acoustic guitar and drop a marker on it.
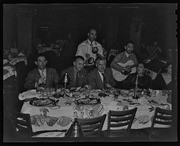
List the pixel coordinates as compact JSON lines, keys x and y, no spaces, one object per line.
{"x":122,"y":75}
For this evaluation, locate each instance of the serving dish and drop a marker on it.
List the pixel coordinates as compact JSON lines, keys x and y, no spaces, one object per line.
{"x":42,"y":102}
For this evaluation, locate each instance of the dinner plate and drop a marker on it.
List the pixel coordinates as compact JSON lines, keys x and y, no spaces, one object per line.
{"x":87,"y":101}
{"x":41,"y":102}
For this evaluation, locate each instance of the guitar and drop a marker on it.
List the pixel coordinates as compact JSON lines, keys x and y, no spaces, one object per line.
{"x":120,"y":76}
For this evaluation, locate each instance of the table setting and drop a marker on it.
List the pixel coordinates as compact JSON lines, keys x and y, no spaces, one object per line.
{"x":57,"y":108}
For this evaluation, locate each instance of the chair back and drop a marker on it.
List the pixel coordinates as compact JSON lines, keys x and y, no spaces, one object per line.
{"x":117,"y":119}
{"x":162,"y":117}
{"x":92,"y":127}
{"x":21,"y":123}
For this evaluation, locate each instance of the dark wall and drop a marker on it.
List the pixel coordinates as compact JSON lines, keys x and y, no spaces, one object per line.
{"x":157,"y":23}
{"x":160,"y":25}
{"x":9,"y":26}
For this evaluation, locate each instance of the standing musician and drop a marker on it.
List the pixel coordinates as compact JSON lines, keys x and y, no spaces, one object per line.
{"x":90,"y":49}
{"x":124,"y":64}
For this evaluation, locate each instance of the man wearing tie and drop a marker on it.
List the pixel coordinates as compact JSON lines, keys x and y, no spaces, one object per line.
{"x":100,"y":77}
{"x":76,"y":73}
{"x":48,"y":77}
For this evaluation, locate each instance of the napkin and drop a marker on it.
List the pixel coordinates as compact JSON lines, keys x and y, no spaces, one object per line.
{"x":29,"y":94}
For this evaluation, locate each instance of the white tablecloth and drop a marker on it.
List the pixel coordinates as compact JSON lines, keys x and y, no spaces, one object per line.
{"x":63,"y":109}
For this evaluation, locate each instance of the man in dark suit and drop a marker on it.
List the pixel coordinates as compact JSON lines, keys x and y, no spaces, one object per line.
{"x":101,"y":77}
{"x":76,"y":73}
{"x":41,"y":75}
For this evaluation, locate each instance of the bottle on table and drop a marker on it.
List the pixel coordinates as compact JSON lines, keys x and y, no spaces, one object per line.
{"x":75,"y":130}
{"x":135,"y":89}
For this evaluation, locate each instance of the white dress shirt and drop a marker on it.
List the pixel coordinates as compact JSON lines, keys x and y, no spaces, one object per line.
{"x":85,"y":47}
{"x":100,"y":73}
{"x":42,"y":73}
{"x":127,"y":54}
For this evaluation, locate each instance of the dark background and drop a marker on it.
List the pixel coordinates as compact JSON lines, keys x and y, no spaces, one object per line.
{"x":115,"y":23}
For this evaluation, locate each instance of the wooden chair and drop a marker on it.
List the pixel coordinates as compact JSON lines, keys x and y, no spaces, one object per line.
{"x":161,"y":117}
{"x":21,"y":125}
{"x":92,"y":127}
{"x":119,"y":119}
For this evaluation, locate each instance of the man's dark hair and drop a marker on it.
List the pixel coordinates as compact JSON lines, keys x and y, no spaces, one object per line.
{"x":41,"y":55}
{"x":142,"y":64}
{"x":128,"y":42}
{"x":79,"y":57}
{"x":99,"y":58}
{"x":92,"y":29}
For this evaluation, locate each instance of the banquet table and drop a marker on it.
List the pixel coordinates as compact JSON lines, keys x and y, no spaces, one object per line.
{"x":61,"y":114}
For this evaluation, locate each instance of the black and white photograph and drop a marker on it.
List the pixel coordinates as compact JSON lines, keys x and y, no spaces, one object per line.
{"x":90,"y":72}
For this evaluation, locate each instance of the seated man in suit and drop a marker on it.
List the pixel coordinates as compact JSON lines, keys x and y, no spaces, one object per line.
{"x":100,"y":77}
{"x":76,"y":73}
{"x":143,"y":81}
{"x":41,"y":75}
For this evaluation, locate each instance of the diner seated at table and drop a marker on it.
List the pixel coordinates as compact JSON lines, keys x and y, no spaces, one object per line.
{"x":41,"y":75}
{"x":163,"y":81}
{"x":77,"y":73}
{"x":101,"y":77}
{"x":143,"y":81}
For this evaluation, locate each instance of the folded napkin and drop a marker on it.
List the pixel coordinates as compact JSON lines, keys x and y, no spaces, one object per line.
{"x":21,"y":54}
{"x":29,"y":94}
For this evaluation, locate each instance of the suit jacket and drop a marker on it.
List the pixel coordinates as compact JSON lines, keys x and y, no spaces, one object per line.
{"x":82,"y":77}
{"x":95,"y":81}
{"x":144,"y":82}
{"x":52,"y":78}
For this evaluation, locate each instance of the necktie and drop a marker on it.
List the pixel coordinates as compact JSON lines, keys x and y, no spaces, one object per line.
{"x":77,"y":80}
{"x":43,"y":75}
{"x":104,"y":80}
{"x":91,"y":45}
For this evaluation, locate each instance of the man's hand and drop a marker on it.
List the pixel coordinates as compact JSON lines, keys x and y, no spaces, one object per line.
{"x":108,"y":85}
{"x":88,"y":87}
{"x":41,"y":81}
{"x":127,"y":68}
